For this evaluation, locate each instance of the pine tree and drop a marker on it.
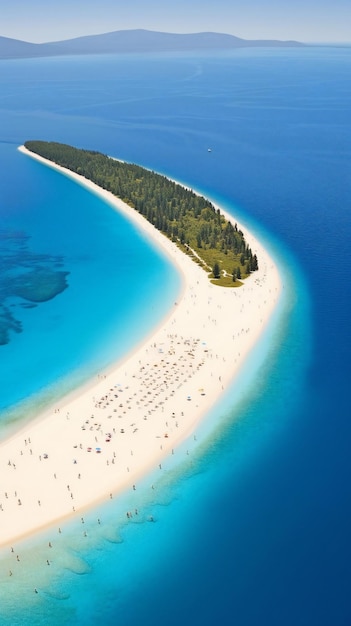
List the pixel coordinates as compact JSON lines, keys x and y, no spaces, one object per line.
{"x":216,"y":271}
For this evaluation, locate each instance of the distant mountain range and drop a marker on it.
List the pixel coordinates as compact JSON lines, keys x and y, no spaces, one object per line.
{"x":129,"y":41}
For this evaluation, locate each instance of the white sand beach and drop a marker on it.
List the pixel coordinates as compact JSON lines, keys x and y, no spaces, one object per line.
{"x":103,"y":438}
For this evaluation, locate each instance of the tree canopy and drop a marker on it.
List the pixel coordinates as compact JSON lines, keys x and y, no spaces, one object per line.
{"x":188,"y":219}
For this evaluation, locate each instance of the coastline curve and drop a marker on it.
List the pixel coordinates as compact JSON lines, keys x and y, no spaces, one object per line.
{"x":100,"y":440}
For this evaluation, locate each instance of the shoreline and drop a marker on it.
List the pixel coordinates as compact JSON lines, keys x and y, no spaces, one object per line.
{"x":100,"y":439}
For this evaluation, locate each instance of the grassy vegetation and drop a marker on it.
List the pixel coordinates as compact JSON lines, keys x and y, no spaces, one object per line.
{"x":207,"y":261}
{"x":188,"y":219}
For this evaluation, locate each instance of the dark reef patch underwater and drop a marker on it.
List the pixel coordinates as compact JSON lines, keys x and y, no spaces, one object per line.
{"x":26,"y":279}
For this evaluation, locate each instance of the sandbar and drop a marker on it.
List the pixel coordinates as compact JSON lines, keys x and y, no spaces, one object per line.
{"x":102,"y":439}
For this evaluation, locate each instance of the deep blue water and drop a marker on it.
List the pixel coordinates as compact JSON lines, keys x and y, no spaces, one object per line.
{"x":253,"y":527}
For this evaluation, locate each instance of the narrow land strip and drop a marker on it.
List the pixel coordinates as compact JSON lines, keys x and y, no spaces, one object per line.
{"x":102,"y":439}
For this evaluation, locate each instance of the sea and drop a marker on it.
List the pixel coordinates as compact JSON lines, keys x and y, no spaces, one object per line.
{"x":249,"y":525}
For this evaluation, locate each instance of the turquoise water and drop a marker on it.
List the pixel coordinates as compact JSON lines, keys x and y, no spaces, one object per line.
{"x":251,"y":526}
{"x":115,"y":281}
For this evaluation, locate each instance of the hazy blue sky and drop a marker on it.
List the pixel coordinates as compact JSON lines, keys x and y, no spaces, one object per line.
{"x":305,"y":20}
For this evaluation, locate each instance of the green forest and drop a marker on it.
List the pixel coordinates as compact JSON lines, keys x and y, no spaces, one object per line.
{"x":188,"y":219}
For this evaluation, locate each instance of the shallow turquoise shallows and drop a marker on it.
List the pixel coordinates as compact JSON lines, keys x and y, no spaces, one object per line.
{"x":117,"y":286}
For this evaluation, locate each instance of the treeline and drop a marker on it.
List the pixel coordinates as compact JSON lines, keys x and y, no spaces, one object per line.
{"x":186,"y":218}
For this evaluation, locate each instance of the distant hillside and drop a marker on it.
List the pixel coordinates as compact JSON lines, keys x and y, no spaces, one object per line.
{"x":16,"y":49}
{"x":129,"y":41}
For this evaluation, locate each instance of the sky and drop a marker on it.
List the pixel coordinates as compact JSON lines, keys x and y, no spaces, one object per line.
{"x":315,"y":21}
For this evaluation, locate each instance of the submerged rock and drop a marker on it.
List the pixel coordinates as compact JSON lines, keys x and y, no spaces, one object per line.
{"x":27,"y":279}
{"x":40,"y":285}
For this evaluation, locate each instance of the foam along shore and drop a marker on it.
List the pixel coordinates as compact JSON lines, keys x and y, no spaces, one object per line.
{"x":100,"y":440}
